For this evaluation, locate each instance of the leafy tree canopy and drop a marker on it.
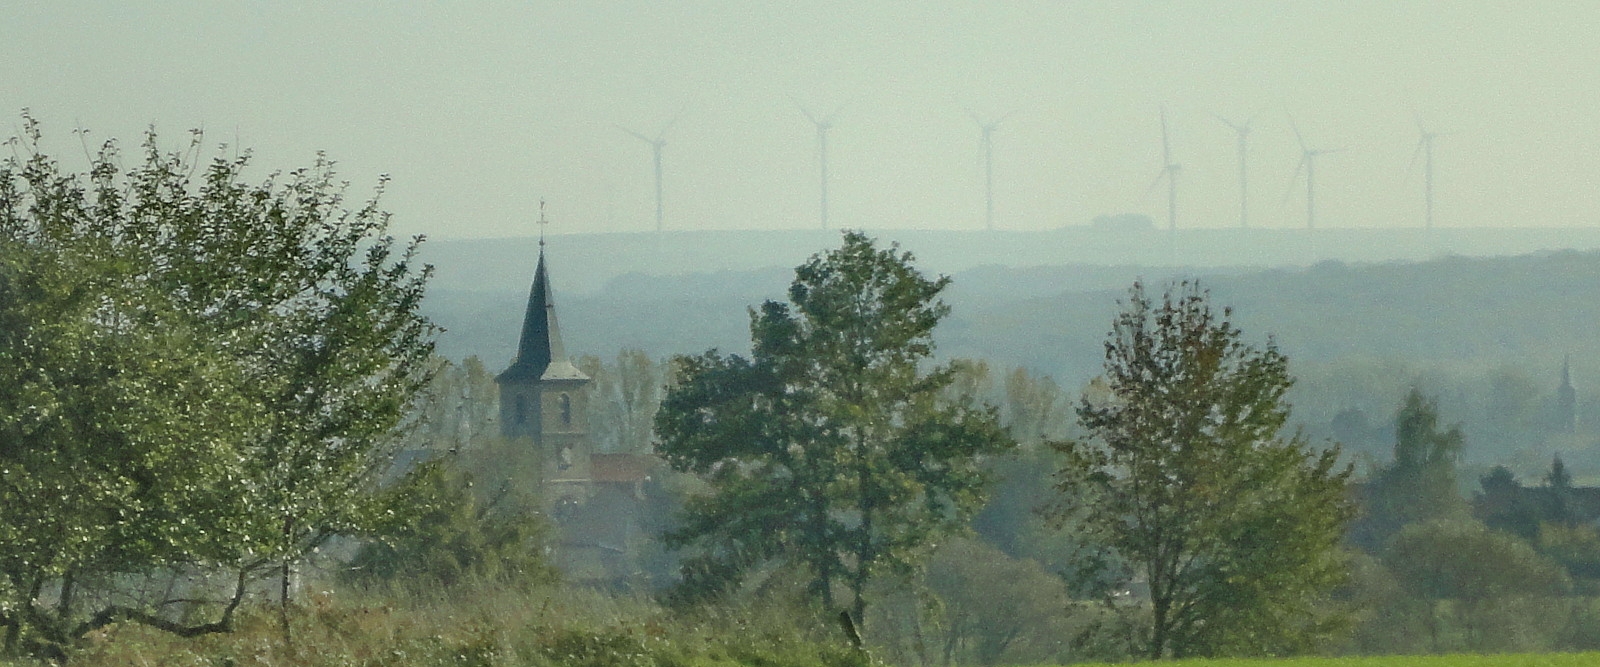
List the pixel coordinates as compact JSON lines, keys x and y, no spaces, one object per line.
{"x":1186,"y":476}
{"x":201,"y":372}
{"x":835,"y":446}
{"x":444,"y":532}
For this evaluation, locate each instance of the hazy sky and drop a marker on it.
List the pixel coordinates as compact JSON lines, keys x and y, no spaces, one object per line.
{"x":477,"y":110}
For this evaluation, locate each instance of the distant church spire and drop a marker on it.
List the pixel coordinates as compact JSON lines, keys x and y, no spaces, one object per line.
{"x":540,"y":355}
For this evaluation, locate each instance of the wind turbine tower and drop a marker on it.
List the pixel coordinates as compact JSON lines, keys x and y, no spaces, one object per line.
{"x":823,"y":125}
{"x":1308,"y":162}
{"x":987,"y":143}
{"x":1242,"y":131}
{"x":1169,"y":171}
{"x":656,"y":145}
{"x":1425,"y":150}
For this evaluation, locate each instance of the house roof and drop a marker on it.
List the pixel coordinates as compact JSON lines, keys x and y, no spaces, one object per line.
{"x":620,"y":468}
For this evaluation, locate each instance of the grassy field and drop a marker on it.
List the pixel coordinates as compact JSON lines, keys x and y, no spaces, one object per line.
{"x":562,"y":627}
{"x":1459,"y":660}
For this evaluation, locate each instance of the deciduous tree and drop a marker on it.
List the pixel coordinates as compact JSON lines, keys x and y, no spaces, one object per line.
{"x":835,"y":446}
{"x":1462,"y":571}
{"x":1187,"y":475}
{"x":202,"y":373}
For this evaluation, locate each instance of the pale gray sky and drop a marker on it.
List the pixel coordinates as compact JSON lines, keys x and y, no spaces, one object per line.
{"x":479,"y":109}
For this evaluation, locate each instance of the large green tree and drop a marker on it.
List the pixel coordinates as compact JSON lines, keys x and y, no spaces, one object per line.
{"x":835,"y":446}
{"x":203,"y":373}
{"x":1187,"y":476}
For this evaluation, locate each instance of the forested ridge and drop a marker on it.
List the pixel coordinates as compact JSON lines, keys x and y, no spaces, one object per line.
{"x":1450,"y":310}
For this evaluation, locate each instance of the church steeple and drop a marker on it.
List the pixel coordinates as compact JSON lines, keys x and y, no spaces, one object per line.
{"x":542,"y":394}
{"x":540,"y":355}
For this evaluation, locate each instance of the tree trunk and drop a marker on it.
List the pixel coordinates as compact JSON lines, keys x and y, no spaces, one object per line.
{"x":864,"y":555}
{"x":825,"y":572}
{"x":283,"y":600}
{"x":13,"y":633}
{"x":283,"y":580}
{"x":1161,"y":607}
{"x":64,"y":603}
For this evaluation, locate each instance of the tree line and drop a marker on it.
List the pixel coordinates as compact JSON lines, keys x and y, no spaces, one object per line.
{"x":210,"y":380}
{"x":838,"y":449}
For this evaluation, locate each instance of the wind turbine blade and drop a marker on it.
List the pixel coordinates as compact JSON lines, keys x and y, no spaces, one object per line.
{"x":1164,"y":174}
{"x":1297,"y":136}
{"x":804,"y":110}
{"x":1236,"y":127}
{"x":1289,"y":191}
{"x":670,"y":123}
{"x":641,"y":137}
{"x":973,"y":115}
{"x":1416,"y":154}
{"x":829,"y":118}
{"x":1007,"y":115}
{"x":1252,"y":118}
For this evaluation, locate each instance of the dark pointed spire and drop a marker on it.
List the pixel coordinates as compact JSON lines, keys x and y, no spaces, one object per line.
{"x":540,"y":355}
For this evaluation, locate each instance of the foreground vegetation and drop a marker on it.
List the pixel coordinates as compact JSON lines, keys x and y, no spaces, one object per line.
{"x":488,"y":626}
{"x":500,"y":626}
{"x":1508,"y":660}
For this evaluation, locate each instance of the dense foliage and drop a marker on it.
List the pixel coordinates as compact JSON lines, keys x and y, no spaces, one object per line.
{"x":1187,"y":477}
{"x":835,"y":446}
{"x":440,"y":531}
{"x":1419,"y":485}
{"x":203,"y":374}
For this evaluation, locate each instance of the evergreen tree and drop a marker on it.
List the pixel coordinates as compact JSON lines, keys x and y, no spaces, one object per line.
{"x":1420,"y":484}
{"x":1558,"y":487}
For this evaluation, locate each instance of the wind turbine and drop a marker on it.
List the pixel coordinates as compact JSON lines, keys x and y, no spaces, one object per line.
{"x":1308,"y":161}
{"x":1169,"y":171}
{"x":823,"y":125}
{"x":988,"y":162}
{"x":655,"y":145}
{"x":1425,"y":149}
{"x":1242,"y":130}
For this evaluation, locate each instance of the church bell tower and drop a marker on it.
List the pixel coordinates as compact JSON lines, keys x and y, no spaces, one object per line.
{"x":543,"y":400}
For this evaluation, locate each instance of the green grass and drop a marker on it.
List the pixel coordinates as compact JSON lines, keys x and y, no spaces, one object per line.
{"x":1456,"y":660}
{"x":554,"y":627}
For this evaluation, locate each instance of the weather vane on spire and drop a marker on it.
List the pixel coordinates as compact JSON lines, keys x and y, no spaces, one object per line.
{"x":542,"y":223}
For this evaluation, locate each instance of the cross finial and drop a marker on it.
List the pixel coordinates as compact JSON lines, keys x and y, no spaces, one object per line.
{"x":542,"y":223}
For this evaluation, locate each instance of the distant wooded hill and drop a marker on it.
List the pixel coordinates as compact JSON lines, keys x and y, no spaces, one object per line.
{"x":585,"y":263}
{"x":1047,"y":317}
{"x":1479,"y":331}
